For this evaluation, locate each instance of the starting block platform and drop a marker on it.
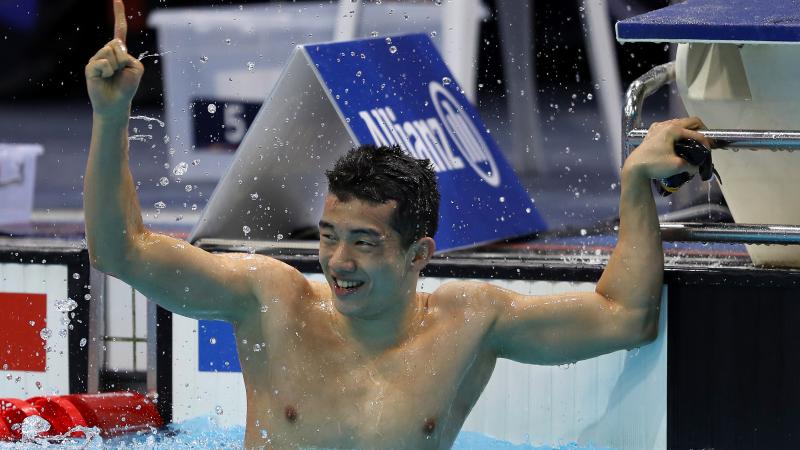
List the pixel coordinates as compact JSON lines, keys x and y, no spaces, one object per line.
{"x":734,"y":22}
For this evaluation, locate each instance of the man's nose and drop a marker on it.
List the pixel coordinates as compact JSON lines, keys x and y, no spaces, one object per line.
{"x":342,"y":260}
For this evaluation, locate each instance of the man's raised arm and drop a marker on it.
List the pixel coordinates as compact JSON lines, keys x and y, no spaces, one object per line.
{"x":623,"y":310}
{"x":178,"y":276}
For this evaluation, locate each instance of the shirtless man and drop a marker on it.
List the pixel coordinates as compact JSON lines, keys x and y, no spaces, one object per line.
{"x":364,"y":360}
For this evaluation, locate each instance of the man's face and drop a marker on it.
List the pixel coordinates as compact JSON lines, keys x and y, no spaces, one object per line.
{"x":362,"y":257}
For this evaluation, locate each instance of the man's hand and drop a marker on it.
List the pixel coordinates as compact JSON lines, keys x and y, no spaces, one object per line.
{"x":655,"y":157}
{"x":112,"y":75}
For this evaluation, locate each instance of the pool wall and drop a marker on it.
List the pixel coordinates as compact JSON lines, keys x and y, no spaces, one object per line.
{"x":616,"y":400}
{"x":36,"y":279}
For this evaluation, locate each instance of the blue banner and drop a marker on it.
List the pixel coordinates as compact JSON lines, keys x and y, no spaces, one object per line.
{"x":398,"y":90}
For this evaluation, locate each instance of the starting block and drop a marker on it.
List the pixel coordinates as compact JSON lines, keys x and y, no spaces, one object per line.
{"x":736,"y":69}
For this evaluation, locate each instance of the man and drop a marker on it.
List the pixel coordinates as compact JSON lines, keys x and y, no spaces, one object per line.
{"x":364,"y":360}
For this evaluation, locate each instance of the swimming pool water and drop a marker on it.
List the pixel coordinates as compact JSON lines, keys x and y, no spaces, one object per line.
{"x":203,"y":433}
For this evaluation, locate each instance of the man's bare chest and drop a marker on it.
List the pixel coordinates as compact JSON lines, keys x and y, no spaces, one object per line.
{"x":306,"y":383}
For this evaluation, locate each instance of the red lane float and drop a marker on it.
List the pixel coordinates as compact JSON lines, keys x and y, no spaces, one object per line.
{"x":12,"y":412}
{"x":113,"y":413}
{"x":5,"y":431}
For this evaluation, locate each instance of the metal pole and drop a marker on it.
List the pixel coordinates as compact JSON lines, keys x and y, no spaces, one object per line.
{"x":640,"y":89}
{"x":527,"y":152}
{"x":97,"y":329}
{"x":731,"y":233}
{"x":738,"y":139}
{"x":348,"y":15}
{"x":602,"y":55}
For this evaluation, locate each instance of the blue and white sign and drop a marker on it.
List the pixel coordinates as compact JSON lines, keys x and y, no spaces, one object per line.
{"x":398,"y":91}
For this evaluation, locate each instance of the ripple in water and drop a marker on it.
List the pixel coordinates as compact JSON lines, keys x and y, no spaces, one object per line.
{"x":204,"y":433}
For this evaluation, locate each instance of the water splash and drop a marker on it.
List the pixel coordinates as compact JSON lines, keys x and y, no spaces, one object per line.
{"x":147,"y":54}
{"x":140,"y":137}
{"x":66,"y":305}
{"x":149,"y":119}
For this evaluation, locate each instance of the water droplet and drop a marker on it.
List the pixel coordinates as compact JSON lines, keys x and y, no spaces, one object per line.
{"x":163,"y":181}
{"x":82,"y":343}
{"x":204,"y":59}
{"x":446,"y":80}
{"x":212,"y":341}
{"x":228,"y":41}
{"x":502,"y":199}
{"x":218,"y":409}
{"x":159,"y":205}
{"x":212,"y":108}
{"x":373,"y":33}
{"x":188,"y":188}
{"x":256,"y":347}
{"x":251,"y":65}
{"x":246,"y":230}
{"x":254,"y":196}
{"x":597,"y":136}
{"x":32,"y":426}
{"x":358,"y":74}
{"x":45,"y":333}
{"x":180,"y":169}
{"x":195,"y":162}
{"x":393,"y":49}
{"x":264,"y":308}
{"x":583,"y":232}
{"x":66,"y":305}
{"x":589,"y":96}
{"x":279,"y":236}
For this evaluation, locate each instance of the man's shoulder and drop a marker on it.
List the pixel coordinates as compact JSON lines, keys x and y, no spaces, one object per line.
{"x":269,"y":272}
{"x":461,"y":293}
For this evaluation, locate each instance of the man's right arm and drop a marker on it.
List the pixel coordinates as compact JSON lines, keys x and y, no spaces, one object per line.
{"x":178,"y":276}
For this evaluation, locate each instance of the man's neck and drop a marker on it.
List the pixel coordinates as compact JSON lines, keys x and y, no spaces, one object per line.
{"x":389,"y":330}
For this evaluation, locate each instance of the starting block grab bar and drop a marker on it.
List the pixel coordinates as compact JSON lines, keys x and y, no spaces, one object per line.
{"x":633,"y":134}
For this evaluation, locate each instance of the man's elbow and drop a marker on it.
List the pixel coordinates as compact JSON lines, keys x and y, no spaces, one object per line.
{"x":646,"y":330}
{"x":648,"y":335}
{"x":108,"y":258}
{"x":641,"y":329}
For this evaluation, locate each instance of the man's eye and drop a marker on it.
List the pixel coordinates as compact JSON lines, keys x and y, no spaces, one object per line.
{"x":365,"y":243}
{"x":328,"y":237}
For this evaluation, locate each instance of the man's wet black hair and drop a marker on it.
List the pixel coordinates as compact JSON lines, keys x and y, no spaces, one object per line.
{"x":380,"y":174}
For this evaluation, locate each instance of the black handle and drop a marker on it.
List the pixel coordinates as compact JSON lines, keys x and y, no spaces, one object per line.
{"x":695,"y":154}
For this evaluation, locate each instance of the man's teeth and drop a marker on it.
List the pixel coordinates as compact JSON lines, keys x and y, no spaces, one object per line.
{"x":348,"y":284}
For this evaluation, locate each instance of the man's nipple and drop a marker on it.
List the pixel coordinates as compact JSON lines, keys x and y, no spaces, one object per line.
{"x":291,"y":414}
{"x":429,"y":426}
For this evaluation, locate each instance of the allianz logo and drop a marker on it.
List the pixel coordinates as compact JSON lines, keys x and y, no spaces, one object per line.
{"x":427,"y":137}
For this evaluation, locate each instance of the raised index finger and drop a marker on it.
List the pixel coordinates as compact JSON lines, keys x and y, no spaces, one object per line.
{"x":120,"y":23}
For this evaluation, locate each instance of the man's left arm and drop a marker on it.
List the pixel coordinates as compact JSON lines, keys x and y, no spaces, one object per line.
{"x":622,"y":312}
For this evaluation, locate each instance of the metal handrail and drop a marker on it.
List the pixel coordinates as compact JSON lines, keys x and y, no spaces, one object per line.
{"x":738,"y":139}
{"x":632,"y":135}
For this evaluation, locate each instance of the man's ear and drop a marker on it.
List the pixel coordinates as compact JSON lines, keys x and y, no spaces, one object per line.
{"x":423,"y":251}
